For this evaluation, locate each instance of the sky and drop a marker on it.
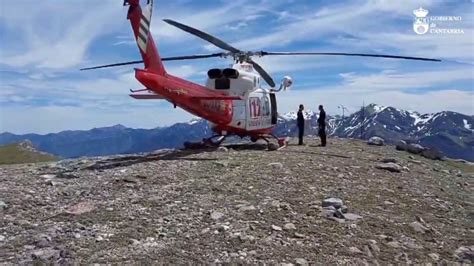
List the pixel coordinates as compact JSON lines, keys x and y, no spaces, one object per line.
{"x":44,"y":43}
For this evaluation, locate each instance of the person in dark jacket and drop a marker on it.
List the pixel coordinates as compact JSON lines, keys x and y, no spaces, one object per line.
{"x":300,"y":124}
{"x":322,"y":125}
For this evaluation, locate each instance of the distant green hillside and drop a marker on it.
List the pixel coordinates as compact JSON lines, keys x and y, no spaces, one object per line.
{"x":23,"y":152}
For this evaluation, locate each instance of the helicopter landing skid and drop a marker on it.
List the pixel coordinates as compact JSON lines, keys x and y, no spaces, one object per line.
{"x":212,"y":142}
{"x":282,"y":142}
{"x":216,"y":141}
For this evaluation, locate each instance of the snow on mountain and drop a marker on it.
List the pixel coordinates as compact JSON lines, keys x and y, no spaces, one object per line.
{"x":378,"y":108}
{"x":292,"y":115}
{"x":420,"y":120}
{"x":194,"y":121}
{"x":467,"y":125}
{"x":450,"y":132}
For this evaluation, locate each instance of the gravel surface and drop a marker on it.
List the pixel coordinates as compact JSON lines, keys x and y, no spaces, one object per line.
{"x":240,"y":205}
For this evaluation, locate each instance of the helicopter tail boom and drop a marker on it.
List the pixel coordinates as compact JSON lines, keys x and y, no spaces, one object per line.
{"x":140,"y":19}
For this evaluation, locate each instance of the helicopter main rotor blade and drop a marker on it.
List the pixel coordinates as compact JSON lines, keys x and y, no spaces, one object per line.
{"x":113,"y":65}
{"x":172,"y":58}
{"x":217,"y":42}
{"x":199,"y":56}
{"x":263,"y":53}
{"x":262,"y":73}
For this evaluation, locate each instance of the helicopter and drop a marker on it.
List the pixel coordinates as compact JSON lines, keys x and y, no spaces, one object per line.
{"x":233,"y":100}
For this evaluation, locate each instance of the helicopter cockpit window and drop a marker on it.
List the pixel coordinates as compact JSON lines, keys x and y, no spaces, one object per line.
{"x":222,"y":84}
{"x":265,"y":106}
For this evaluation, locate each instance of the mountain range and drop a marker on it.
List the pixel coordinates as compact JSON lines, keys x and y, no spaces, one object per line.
{"x":449,"y":132}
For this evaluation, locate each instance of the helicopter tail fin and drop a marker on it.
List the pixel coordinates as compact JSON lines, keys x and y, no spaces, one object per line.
{"x":140,"y":19}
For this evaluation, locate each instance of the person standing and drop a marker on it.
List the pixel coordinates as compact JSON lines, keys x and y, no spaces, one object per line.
{"x":300,"y":124}
{"x":322,"y":125}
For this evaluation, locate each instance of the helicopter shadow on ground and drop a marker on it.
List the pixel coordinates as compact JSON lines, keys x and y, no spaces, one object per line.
{"x":293,"y":144}
{"x":242,"y":146}
{"x":169,"y":155}
{"x":318,"y":153}
{"x":166,"y":155}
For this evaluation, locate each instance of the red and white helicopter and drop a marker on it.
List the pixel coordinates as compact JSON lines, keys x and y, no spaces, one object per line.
{"x":233,"y":99}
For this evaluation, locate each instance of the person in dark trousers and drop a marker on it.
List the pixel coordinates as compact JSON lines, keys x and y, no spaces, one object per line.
{"x":322,"y":125}
{"x":300,"y":124}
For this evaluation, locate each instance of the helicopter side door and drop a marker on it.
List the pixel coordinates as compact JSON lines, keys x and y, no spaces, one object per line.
{"x":273,"y":107}
{"x":239,"y":113}
{"x":258,"y":111}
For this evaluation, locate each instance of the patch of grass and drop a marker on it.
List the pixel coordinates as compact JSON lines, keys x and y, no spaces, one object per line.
{"x":14,"y":153}
{"x":468,"y":168}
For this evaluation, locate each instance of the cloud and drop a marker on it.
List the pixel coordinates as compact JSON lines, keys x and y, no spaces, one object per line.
{"x":390,"y":88}
{"x":183,"y":71}
{"x":54,"y":35}
{"x":428,"y":102}
{"x":221,"y":17}
{"x":310,"y":24}
{"x":379,"y":26}
{"x":104,"y":92}
{"x":43,"y":44}
{"x":293,"y":64}
{"x":395,"y":80}
{"x":428,"y":45}
{"x":47,"y":119}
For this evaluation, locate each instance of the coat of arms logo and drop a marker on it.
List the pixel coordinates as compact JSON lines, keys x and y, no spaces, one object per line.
{"x":421,"y":24}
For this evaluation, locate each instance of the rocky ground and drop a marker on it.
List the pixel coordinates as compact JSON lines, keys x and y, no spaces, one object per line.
{"x":243,"y":206}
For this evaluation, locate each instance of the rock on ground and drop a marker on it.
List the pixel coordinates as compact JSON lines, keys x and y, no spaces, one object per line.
{"x":392,"y":167}
{"x":276,"y":165}
{"x":415,"y":148}
{"x":222,"y":149}
{"x":401,"y":145}
{"x":217,"y":215}
{"x":301,"y":261}
{"x":465,"y":254}
{"x":376,"y":141}
{"x":418,"y":227}
{"x":432,"y":154}
{"x":334,"y":202}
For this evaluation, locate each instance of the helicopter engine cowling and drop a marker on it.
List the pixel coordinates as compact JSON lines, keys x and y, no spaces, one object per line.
{"x":214,"y":73}
{"x":230,"y":73}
